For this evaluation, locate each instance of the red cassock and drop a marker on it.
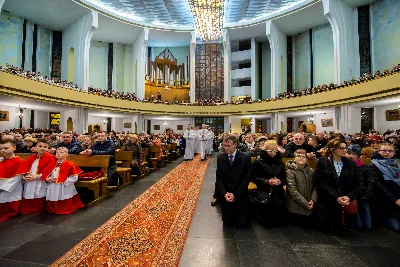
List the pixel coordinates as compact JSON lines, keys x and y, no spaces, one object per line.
{"x":11,"y":171}
{"x":62,"y":197}
{"x":34,"y":194}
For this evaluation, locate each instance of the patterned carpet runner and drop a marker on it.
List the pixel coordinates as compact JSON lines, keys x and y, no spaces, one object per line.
{"x":151,"y":230}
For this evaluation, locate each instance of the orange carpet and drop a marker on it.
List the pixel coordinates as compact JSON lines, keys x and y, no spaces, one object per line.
{"x":151,"y":230}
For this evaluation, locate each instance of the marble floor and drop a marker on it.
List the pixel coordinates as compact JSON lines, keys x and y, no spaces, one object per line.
{"x":38,"y":240}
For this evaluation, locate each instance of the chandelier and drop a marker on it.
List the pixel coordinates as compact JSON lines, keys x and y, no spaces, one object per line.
{"x":208,"y":16}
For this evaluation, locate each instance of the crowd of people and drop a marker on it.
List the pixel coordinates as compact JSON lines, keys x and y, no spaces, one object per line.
{"x":340,"y":192}
{"x":198,"y":102}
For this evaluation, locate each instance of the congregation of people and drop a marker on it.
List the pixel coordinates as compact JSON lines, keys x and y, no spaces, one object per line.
{"x":340,"y":191}
{"x":354,"y":182}
{"x":198,"y":102}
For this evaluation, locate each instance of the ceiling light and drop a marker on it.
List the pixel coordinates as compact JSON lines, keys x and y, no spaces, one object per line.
{"x":208,"y":16}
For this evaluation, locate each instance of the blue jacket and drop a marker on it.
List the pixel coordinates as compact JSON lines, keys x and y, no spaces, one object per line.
{"x":106,"y":148}
{"x":73,"y":148}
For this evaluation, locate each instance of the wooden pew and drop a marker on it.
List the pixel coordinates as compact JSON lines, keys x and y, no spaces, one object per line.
{"x":154,"y":161}
{"x":164,"y":160}
{"x":99,"y":185}
{"x":145,"y":152}
{"x":125,"y":169}
{"x":175,"y":152}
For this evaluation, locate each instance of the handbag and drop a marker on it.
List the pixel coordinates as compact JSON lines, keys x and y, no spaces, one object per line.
{"x":350,"y":209}
{"x":263,"y":197}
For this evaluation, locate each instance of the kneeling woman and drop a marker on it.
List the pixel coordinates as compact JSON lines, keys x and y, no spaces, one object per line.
{"x":300,"y":192}
{"x":386,"y":172}
{"x":338,"y":185}
{"x":268,"y":173}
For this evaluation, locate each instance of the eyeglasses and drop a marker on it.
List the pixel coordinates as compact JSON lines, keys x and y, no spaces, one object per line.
{"x":342,"y":148}
{"x":301,"y":157}
{"x":386,"y":151}
{"x":271,"y":151}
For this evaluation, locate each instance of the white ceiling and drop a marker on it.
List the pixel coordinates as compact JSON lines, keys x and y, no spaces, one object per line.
{"x":12,"y":101}
{"x":111,"y":30}
{"x":166,"y":13}
{"x":377,"y":103}
{"x":237,"y":11}
{"x":53,"y":14}
{"x":165,"y":38}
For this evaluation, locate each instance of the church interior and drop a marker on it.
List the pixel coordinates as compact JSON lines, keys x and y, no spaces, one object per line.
{"x":121,"y":120}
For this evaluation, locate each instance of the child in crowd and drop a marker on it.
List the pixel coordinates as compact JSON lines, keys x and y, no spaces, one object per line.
{"x":62,"y":197}
{"x":34,"y":194}
{"x":11,"y":171}
{"x":301,"y":193}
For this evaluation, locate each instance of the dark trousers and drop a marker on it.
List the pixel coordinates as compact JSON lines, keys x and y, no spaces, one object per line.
{"x":301,"y":220}
{"x":235,"y":213}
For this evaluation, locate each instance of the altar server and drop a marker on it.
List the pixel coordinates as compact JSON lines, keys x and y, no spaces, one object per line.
{"x":62,"y":197}
{"x":34,"y":193}
{"x":210,"y":142}
{"x":190,"y":137}
{"x":203,"y":137}
{"x":11,"y":171}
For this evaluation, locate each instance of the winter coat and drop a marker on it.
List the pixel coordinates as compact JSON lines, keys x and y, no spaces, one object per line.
{"x":300,"y":189}
{"x":73,"y":148}
{"x":327,"y":182}
{"x":266,"y":167}
{"x":292,"y":147}
{"x":367,"y":181}
{"x":385,"y":194}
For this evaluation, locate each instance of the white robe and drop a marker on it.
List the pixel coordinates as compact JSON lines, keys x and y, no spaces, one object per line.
{"x":203,"y":138}
{"x":62,"y":191}
{"x":210,"y":142}
{"x":11,"y":189}
{"x":190,"y":137}
{"x":34,"y":189}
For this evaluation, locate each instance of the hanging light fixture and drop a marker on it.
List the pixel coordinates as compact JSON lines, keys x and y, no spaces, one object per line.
{"x":208,"y":16}
{"x":104,"y":121}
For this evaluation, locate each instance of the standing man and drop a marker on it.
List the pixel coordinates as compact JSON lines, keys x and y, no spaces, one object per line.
{"x":203,"y":137}
{"x":210,"y":142}
{"x":233,"y":177}
{"x":189,"y":136}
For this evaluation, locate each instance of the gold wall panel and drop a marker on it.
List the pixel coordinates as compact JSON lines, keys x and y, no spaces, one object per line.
{"x":14,"y":85}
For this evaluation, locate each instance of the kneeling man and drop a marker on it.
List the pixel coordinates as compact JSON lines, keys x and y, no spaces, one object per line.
{"x":233,"y":177}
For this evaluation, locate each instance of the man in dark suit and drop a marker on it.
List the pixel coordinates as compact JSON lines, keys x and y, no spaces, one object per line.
{"x":233,"y":177}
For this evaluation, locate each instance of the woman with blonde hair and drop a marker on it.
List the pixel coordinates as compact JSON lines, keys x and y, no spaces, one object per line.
{"x":338,"y":185}
{"x":268,"y":173}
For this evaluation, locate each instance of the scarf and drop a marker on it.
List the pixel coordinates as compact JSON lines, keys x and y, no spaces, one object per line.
{"x":358,"y":162}
{"x":389,"y":168}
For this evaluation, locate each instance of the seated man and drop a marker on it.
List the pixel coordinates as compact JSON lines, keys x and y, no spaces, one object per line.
{"x":298,"y":143}
{"x":233,"y":177}
{"x":69,"y":142}
{"x":62,"y":197}
{"x":104,"y":147}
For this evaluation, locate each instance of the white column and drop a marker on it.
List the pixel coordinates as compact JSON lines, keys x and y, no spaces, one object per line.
{"x":83,"y":117}
{"x":78,"y":37}
{"x":1,"y":4}
{"x":254,"y":69}
{"x":140,"y":124}
{"x":39,"y":36}
{"x":253,"y":125}
{"x":227,"y":66}
{"x":340,"y":16}
{"x":348,"y":119}
{"x":139,"y":63}
{"x":192,"y":61}
{"x":278,"y":43}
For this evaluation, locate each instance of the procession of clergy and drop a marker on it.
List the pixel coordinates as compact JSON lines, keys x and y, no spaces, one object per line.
{"x":198,"y":141}
{"x":43,"y":182}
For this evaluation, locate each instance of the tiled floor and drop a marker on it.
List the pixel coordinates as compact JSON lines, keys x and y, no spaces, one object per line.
{"x":210,"y":244}
{"x":38,"y":240}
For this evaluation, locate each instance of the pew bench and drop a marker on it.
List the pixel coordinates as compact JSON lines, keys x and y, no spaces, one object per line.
{"x":124,"y":170}
{"x":99,"y":185}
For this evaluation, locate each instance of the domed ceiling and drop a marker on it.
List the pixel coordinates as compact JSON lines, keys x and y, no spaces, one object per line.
{"x":177,"y":14}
